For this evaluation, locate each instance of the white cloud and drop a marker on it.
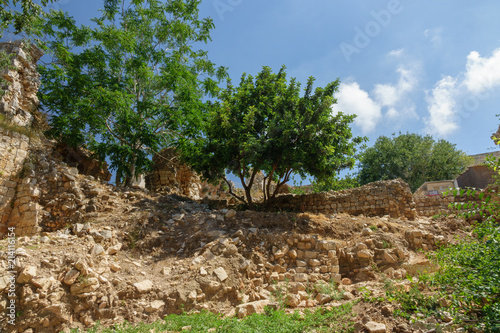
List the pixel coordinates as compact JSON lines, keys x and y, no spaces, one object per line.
{"x":369,"y":106}
{"x":434,"y":35}
{"x":396,"y":53}
{"x":452,"y":95}
{"x":395,"y":96}
{"x":392,"y":113}
{"x":482,"y":73}
{"x":354,"y":100}
{"x":442,"y":107}
{"x":386,"y":94}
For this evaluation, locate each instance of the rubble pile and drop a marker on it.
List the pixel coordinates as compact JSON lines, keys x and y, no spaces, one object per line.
{"x":138,"y":256}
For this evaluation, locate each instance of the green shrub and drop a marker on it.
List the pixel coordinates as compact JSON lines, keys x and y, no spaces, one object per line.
{"x":470,"y":271}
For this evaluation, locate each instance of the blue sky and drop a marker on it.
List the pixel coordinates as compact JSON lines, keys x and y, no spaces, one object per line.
{"x":430,"y":67}
{"x":419,"y":66}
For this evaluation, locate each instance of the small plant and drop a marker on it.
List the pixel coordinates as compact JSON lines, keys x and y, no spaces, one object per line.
{"x":368,"y":296}
{"x":10,"y":126}
{"x":411,"y":298}
{"x":373,"y":228}
{"x":386,"y":244}
{"x":280,"y":294}
{"x":331,"y":289}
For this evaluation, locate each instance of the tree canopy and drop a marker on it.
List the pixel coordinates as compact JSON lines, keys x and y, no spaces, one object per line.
{"x":265,"y":125}
{"x":412,"y":157}
{"x":335,"y":183}
{"x":130,"y":85}
{"x":21,"y":16}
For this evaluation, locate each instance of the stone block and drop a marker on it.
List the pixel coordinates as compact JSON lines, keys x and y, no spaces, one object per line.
{"x":301,"y":277}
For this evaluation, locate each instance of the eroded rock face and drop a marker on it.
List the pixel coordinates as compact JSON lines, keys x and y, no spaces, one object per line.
{"x":19,"y":100}
{"x":189,"y":257}
{"x":170,"y":175}
{"x":81,"y":159}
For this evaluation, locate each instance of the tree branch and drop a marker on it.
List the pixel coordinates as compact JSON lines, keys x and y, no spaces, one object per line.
{"x":231,"y":190}
{"x":286,"y":178}
{"x":123,"y":141}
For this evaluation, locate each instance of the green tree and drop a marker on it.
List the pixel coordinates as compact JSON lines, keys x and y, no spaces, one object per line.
{"x":335,"y":183}
{"x":130,"y":85}
{"x":22,"y":16}
{"x":412,"y":157}
{"x":265,"y":125}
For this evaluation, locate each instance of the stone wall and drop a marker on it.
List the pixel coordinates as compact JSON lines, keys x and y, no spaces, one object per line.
{"x":440,"y":204}
{"x":392,"y":198}
{"x":172,"y":176}
{"x":432,"y":205}
{"x":13,"y":153}
{"x":19,"y":100}
{"x":17,"y":109}
{"x":81,"y":159}
{"x":38,"y":191}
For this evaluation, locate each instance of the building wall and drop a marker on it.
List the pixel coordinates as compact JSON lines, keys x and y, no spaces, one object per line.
{"x":478,"y":176}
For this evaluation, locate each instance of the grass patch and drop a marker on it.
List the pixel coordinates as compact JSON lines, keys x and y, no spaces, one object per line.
{"x":12,"y":127}
{"x":330,"y":289}
{"x":275,"y":321}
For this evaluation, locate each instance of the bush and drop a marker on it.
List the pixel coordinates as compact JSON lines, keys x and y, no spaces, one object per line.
{"x":470,"y":271}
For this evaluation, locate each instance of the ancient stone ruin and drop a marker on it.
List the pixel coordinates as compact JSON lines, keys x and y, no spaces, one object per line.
{"x":172,"y":176}
{"x":38,"y":191}
{"x":86,"y":251}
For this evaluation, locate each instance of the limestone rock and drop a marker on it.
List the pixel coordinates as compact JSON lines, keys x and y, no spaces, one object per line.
{"x":388,"y":258}
{"x":115,"y":248}
{"x":71,"y":276}
{"x":97,"y":250}
{"x":221,"y":274}
{"x":374,"y":327}
{"x":230,"y":214}
{"x":301,"y":277}
{"x":143,"y":286}
{"x":27,"y":274}
{"x":247,"y":309}
{"x":87,"y":285}
{"x":115,"y":267}
{"x":364,"y":254}
{"x":314,"y":262}
{"x":154,"y":306}
{"x":366,"y":232}
{"x":43,"y":283}
{"x":323,"y":298}
{"x":4,"y":282}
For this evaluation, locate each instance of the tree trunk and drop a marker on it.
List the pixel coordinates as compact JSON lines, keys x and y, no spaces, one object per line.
{"x":118,"y":177}
{"x":130,"y":177}
{"x":249,"y":196}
